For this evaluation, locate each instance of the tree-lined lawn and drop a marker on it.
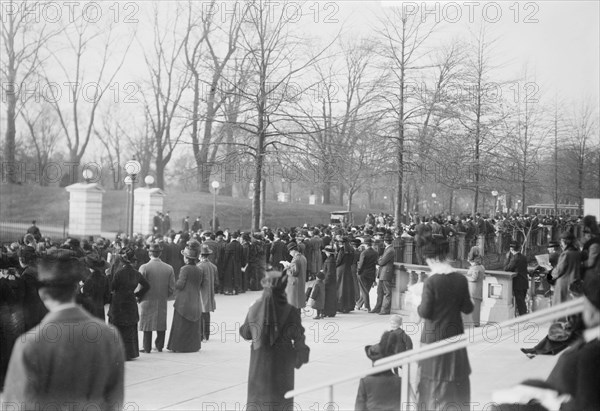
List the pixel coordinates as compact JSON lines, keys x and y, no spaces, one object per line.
{"x":51,"y":204}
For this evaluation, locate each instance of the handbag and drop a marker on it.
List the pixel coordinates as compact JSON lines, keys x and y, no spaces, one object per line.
{"x":576,"y":287}
{"x":302,"y":354}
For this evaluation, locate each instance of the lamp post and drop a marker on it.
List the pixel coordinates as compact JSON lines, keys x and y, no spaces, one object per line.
{"x":87,"y":175}
{"x":433,"y":196}
{"x":495,"y":194}
{"x":215,"y":186}
{"x":132,"y":167}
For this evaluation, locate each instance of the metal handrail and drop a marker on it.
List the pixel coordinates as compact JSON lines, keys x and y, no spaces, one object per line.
{"x":442,"y":347}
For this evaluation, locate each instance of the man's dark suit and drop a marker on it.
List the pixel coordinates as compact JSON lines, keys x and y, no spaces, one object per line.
{"x":366,"y":271}
{"x":71,"y":359}
{"x":386,"y":277}
{"x":517,"y":263}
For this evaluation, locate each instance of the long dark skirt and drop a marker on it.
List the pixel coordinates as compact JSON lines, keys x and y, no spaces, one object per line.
{"x":185,"y":335}
{"x":129,"y":335}
{"x":444,"y":382}
{"x":345,"y":294}
{"x":330,"y":299}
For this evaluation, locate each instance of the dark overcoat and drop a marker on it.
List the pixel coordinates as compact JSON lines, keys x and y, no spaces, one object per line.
{"x":123,"y":307}
{"x":271,"y":372}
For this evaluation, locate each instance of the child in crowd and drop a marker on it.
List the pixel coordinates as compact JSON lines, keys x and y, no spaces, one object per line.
{"x":317,"y":296}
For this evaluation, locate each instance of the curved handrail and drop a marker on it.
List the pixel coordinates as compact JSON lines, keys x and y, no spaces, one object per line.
{"x":445,"y":346}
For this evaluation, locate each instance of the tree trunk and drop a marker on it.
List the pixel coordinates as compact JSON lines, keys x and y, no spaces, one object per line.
{"x":263,"y":200}
{"x":350,"y":195}
{"x":326,"y":193}
{"x":341,"y":195}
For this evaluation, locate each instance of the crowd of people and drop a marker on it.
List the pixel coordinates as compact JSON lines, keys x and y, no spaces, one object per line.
{"x":329,"y":268}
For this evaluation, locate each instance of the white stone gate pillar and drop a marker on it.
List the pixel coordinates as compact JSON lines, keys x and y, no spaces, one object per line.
{"x":147,"y":201}
{"x":85,"y":209}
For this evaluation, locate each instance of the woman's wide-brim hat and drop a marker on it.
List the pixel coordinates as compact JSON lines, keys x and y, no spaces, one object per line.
{"x":192,"y":253}
{"x":93,"y":260}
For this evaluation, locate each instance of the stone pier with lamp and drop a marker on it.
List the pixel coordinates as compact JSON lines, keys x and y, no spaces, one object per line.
{"x":147,"y":201}
{"x":85,"y":207}
{"x":497,"y":304}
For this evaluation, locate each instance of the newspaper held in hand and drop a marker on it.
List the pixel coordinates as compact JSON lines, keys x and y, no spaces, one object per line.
{"x":544,"y":260}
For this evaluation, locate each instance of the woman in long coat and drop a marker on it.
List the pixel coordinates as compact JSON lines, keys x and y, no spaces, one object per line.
{"x":185,"y":330}
{"x":276,"y":350}
{"x":296,"y":277}
{"x":123,"y":312}
{"x":33,"y":307}
{"x":344,"y":260}
{"x":444,"y":380}
{"x":329,"y":269}
{"x":567,"y":269}
{"x":95,"y":289}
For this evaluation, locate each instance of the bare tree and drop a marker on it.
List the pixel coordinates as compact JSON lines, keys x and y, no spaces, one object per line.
{"x":168,"y":82}
{"x":23,"y":39}
{"x":78,"y":115}
{"x":274,"y":60}
{"x":404,"y":36}
{"x":43,"y":134}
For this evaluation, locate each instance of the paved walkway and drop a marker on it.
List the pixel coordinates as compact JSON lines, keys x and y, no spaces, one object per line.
{"x":216,"y":377}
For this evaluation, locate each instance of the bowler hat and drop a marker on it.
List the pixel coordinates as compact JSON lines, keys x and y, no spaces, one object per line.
{"x":218,"y":233}
{"x":388,"y":238}
{"x":205,"y":250}
{"x":368,"y":241}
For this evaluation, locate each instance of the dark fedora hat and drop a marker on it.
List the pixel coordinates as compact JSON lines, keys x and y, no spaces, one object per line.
{"x":388,"y":238}
{"x":60,"y":268}
{"x":292,"y":246}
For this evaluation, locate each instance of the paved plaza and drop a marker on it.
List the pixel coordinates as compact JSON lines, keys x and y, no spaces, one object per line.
{"x":216,"y":377}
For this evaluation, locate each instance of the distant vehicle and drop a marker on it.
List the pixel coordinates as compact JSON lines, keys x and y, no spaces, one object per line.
{"x":548,"y":209}
{"x":341,"y":218}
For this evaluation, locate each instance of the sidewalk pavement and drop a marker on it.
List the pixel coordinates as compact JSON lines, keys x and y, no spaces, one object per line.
{"x":215,"y":378}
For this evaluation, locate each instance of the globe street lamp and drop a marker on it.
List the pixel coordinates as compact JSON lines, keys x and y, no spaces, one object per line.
{"x":132,"y":167}
{"x":433,"y":195}
{"x":87,"y":175}
{"x":215,"y":186}
{"x":149,"y":180}
{"x":495,"y":194}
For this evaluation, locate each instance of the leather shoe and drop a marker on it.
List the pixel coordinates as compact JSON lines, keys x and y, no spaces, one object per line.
{"x":382,"y":313}
{"x":374,"y":312}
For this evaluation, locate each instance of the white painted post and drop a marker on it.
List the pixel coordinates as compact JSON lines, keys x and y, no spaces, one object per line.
{"x":147,"y":201}
{"x":85,"y":209}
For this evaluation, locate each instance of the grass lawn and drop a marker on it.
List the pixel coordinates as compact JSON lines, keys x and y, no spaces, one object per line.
{"x":51,"y":205}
